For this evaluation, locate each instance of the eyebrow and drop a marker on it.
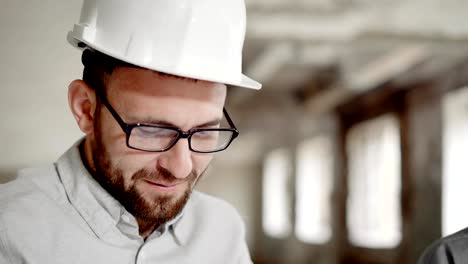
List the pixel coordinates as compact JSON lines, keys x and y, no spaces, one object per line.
{"x":151,"y":121}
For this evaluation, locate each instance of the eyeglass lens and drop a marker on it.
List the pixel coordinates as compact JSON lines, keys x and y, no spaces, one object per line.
{"x":155,"y":138}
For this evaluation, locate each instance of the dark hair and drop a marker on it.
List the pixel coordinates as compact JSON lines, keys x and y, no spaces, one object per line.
{"x":97,"y":68}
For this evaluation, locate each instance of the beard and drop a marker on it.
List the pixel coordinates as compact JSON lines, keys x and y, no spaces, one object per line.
{"x":154,"y":208}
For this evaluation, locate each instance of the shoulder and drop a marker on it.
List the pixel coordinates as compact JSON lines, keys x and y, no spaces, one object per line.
{"x":30,"y":189}
{"x":22,"y":206}
{"x":452,"y":249}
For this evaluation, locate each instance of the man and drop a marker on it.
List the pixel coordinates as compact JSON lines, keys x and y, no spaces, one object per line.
{"x":452,"y":249}
{"x":151,"y":104}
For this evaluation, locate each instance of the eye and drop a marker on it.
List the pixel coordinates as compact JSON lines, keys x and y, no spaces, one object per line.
{"x":206,"y":134}
{"x":153,"y":132}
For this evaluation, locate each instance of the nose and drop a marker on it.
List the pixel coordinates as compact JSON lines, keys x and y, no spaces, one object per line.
{"x":178,"y":159}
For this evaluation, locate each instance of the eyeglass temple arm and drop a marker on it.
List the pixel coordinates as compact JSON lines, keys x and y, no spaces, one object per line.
{"x":228,"y":118}
{"x":103,"y":98}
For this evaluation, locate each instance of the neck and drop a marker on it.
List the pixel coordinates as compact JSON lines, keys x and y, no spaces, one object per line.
{"x":86,"y":156}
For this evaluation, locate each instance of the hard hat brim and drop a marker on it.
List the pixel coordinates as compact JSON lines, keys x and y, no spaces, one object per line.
{"x":248,"y":82}
{"x":244,"y":82}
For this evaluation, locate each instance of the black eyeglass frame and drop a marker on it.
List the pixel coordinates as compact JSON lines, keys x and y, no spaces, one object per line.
{"x":127,"y":129}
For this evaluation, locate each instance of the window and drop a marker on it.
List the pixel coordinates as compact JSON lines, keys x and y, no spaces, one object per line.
{"x":276,"y":202}
{"x":455,"y":153}
{"x":314,"y":182}
{"x":374,"y":183}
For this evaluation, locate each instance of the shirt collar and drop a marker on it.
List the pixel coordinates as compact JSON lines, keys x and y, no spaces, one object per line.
{"x":100,"y":210}
{"x":183,"y":227}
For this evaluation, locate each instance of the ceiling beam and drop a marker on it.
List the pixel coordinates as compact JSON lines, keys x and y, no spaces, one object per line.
{"x":293,"y":26}
{"x":380,"y":70}
{"x":268,"y":63}
{"x":429,"y":19}
{"x":386,"y":67}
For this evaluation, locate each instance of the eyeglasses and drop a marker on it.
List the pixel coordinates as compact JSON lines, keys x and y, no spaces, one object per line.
{"x":156,"y":138}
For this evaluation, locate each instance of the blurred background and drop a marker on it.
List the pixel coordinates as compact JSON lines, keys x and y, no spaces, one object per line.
{"x":353,"y":151}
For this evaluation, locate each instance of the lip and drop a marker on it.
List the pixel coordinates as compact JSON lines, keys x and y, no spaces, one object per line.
{"x":163,"y":186}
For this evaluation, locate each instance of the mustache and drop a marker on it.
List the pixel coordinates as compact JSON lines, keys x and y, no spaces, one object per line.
{"x":162,"y":175}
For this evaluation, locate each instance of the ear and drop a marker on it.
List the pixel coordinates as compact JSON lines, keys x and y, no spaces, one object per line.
{"x":82,"y":101}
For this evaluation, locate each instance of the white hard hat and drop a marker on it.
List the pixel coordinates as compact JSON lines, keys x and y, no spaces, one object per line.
{"x":199,"y":39}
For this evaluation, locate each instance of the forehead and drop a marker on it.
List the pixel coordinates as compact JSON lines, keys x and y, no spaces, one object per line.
{"x":151,"y":83}
{"x":141,"y":93}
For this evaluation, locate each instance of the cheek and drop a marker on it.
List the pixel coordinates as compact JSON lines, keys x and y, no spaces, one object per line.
{"x":115,"y":140}
{"x":112,"y":135}
{"x":121,"y":157}
{"x":201,"y":162}
{"x":132,"y":161}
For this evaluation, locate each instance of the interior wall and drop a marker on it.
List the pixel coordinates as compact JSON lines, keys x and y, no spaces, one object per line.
{"x":37,"y":65}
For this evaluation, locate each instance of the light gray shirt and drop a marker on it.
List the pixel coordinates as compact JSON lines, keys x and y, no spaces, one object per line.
{"x":60,"y":214}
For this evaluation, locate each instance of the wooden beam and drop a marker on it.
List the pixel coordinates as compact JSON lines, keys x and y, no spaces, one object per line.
{"x":371,"y":76}
{"x":387,"y":67}
{"x":270,"y":61}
